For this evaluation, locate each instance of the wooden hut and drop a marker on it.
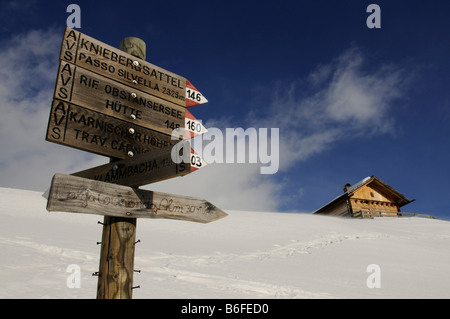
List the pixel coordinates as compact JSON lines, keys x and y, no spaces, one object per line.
{"x":369,"y":198}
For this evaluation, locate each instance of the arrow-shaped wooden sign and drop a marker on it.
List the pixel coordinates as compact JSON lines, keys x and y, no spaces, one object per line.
{"x":101,"y":94}
{"x":144,"y":169}
{"x":78,"y":127}
{"x":79,"y":195}
{"x":110,"y":62}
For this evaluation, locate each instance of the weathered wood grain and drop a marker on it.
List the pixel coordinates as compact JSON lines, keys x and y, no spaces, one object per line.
{"x":118,"y":239}
{"x":103,"y":59}
{"x":91,"y":131}
{"x":140,"y":170}
{"x":117,"y":258}
{"x":79,"y":195}
{"x":98,"y":93}
{"x":134,"y":46}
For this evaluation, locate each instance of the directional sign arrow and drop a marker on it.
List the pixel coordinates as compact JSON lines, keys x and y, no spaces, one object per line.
{"x":105,"y":60}
{"x":147,"y":168}
{"x":79,"y":195}
{"x":91,"y":131}
{"x":197,"y":161}
{"x":100,"y":94}
{"x":193,"y":127}
{"x":193,"y":96}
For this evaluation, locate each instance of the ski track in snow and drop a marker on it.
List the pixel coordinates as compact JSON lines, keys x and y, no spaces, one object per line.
{"x":241,"y":287}
{"x":173,"y":266}
{"x":278,"y":250}
{"x":246,"y":255}
{"x":48,"y":249}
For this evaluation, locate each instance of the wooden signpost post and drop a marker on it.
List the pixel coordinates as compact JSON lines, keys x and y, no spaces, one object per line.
{"x":114,"y":103}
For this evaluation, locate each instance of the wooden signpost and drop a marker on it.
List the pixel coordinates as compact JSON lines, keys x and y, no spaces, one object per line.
{"x":112,"y":102}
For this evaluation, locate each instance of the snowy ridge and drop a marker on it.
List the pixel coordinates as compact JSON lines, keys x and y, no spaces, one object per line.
{"x":245,"y":255}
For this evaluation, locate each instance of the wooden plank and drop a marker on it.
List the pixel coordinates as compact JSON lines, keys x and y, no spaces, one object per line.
{"x":79,"y":195}
{"x":141,"y":170}
{"x":117,"y":258}
{"x":103,"y":59}
{"x":98,"y":93}
{"x":78,"y":127}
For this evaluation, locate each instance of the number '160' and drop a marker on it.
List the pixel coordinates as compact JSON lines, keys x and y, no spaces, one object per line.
{"x":194,"y":126}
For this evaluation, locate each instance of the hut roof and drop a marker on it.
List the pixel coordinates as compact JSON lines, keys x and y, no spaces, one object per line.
{"x":376,"y":183}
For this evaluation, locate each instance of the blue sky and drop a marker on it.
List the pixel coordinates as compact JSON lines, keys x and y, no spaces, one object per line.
{"x":349,"y":101}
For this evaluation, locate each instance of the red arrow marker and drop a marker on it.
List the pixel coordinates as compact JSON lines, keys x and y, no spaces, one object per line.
{"x":193,"y":96}
{"x":193,"y":127}
{"x":196,"y":161}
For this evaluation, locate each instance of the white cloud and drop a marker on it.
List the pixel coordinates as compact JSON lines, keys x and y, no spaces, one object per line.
{"x":28,"y":67}
{"x":343,"y":100}
{"x":361,"y":99}
{"x":228,"y":186}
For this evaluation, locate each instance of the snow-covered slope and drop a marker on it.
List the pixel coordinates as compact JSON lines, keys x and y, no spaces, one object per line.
{"x":245,"y":255}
